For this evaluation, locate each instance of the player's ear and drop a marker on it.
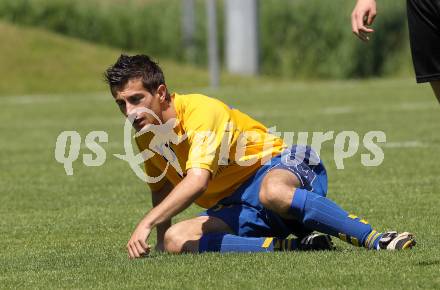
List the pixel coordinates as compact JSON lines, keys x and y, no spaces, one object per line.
{"x":162,"y":93}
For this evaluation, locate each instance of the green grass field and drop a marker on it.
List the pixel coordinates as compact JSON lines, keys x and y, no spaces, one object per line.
{"x":60,"y":231}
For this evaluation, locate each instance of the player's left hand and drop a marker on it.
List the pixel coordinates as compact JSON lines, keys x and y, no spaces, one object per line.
{"x":137,"y":245}
{"x":363,"y":15}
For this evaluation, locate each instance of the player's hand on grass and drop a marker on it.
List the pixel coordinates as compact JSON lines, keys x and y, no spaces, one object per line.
{"x":363,"y":16}
{"x":137,"y":245}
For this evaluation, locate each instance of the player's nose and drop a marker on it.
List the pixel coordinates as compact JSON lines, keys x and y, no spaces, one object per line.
{"x":131,"y":110}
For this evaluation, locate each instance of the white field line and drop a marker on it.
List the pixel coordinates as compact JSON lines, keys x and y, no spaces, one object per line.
{"x":416,"y":106}
{"x":408,"y":106}
{"x":406,"y":144}
{"x":334,"y":110}
{"x":109,"y":145}
{"x":338,"y":110}
{"x":393,"y":145}
{"x":51,"y":98}
{"x":29,"y":99}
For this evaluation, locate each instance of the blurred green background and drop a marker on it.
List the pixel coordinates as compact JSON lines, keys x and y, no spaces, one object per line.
{"x":301,"y":39}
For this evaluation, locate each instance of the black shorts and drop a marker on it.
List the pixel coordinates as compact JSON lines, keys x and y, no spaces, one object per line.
{"x":424,"y":34}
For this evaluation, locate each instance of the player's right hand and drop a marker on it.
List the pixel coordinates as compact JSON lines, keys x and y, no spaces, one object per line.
{"x":363,"y":15}
{"x":137,"y":245}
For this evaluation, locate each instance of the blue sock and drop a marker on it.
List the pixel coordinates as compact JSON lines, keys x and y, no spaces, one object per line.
{"x":320,"y":213}
{"x":221,"y":242}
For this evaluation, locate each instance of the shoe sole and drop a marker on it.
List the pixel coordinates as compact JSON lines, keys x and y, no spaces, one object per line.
{"x":408,"y":244}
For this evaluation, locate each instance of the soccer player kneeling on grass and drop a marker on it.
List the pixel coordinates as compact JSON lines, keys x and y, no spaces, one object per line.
{"x":218,"y":157}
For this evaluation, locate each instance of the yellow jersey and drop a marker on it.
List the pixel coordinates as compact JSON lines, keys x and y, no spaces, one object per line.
{"x":210,"y":135}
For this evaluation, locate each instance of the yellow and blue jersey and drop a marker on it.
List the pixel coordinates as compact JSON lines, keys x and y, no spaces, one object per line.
{"x":215,"y":137}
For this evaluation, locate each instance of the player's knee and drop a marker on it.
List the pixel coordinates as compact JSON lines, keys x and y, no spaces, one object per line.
{"x":174,"y":239}
{"x":272,"y":191}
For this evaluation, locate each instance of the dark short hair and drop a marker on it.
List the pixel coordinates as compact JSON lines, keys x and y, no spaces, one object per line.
{"x":133,"y":67}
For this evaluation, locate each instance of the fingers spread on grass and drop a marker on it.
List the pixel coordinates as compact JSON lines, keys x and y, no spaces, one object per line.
{"x":134,"y":250}
{"x":130,"y":252}
{"x":141,"y":250}
{"x":145,"y":246}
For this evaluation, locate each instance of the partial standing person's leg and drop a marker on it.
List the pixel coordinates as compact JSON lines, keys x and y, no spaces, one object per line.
{"x":424,"y":36}
{"x":436,"y":87}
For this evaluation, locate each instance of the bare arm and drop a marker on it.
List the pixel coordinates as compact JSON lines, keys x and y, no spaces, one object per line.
{"x":181,"y":197}
{"x":362,"y":16}
{"x":157,"y":197}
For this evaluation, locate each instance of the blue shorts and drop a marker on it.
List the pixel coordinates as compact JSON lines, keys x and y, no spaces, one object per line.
{"x":246,"y":216}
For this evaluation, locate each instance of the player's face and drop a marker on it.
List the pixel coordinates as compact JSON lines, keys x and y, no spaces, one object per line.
{"x":132,"y":98}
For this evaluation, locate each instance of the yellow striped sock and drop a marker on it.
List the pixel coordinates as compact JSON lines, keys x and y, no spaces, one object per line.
{"x":355,"y":241}
{"x":352,"y":216}
{"x":267,"y":242}
{"x":343,"y":237}
{"x":368,"y":240}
